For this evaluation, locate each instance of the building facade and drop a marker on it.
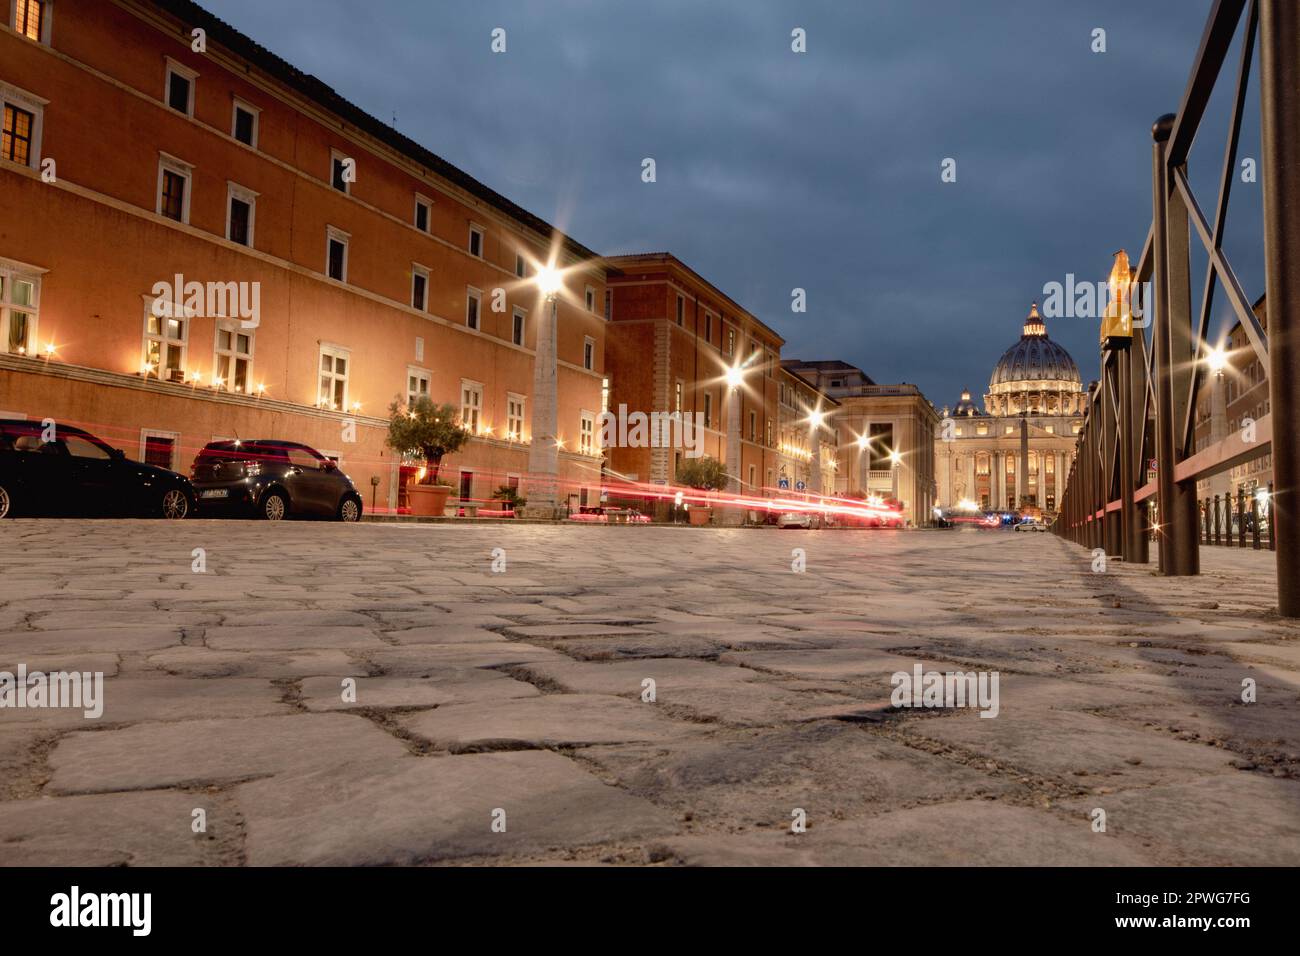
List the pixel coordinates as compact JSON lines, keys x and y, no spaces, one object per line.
{"x":677,"y":344}
{"x":882,"y":444}
{"x":1016,"y":451}
{"x":315,"y":264}
{"x":1234,"y":394}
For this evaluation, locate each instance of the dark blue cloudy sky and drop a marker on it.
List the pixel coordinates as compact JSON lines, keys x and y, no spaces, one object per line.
{"x":820,"y":170}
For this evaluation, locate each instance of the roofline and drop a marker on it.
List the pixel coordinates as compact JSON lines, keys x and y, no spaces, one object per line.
{"x":276,"y":68}
{"x":615,"y":266}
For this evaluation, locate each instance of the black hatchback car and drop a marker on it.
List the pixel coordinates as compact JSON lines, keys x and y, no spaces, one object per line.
{"x":272,"y":479}
{"x":75,"y":474}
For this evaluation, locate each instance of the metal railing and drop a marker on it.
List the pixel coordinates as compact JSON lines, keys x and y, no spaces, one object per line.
{"x":1142,"y":412}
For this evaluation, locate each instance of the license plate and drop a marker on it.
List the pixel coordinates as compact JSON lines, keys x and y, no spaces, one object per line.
{"x":213,"y":493}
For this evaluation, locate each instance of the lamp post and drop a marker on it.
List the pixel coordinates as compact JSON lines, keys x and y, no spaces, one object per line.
{"x":735,"y":378}
{"x":543,"y":452}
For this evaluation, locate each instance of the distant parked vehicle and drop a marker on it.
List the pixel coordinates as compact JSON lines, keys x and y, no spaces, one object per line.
{"x":77,"y":474}
{"x":272,"y":479}
{"x":807,"y":520}
{"x":1031,"y":526}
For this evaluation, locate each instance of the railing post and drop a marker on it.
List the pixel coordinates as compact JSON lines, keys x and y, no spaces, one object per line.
{"x":1130,"y":530}
{"x":1178,"y":545}
{"x":1254,"y":522}
{"x":1279,"y":85}
{"x":1216,"y":520}
{"x":1241,"y":518}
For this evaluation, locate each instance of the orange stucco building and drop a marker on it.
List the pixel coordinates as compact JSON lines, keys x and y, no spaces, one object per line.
{"x":145,"y":140}
{"x":673,"y":336}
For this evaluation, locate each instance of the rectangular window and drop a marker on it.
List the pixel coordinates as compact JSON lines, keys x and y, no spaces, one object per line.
{"x":731,"y":341}
{"x":473,"y":302}
{"x":21,"y":115}
{"x":174,"y":189}
{"x":29,"y":18}
{"x":681,"y":310}
{"x":419,"y":287}
{"x":769,"y":433}
{"x":16,"y":145}
{"x":677,"y":395}
{"x":336,"y":253}
{"x":609,"y":304}
{"x":708,"y":328}
{"x":417,"y":385}
{"x":158,"y":448}
{"x":753,"y":426}
{"x":243,"y":123}
{"x":517,"y":327}
{"x":165,"y":338}
{"x":708,"y":409}
{"x":240,"y":213}
{"x":591,"y":299}
{"x":521,"y":265}
{"x":333,"y":391}
{"x":423,"y":208}
{"x":514,"y":417}
{"x":19,"y":302}
{"x":179,"y":93}
{"x":343,"y":170}
{"x":589,"y":353}
{"x":587,"y":434}
{"x":476,"y":241}
{"x":233,"y":368}
{"x":471,"y":404}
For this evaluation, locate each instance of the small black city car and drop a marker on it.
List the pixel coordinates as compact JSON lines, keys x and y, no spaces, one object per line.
{"x":75,"y":474}
{"x":271,"y":479}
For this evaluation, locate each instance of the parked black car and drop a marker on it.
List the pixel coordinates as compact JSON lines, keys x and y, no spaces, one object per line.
{"x":77,"y":474}
{"x":272,"y":479}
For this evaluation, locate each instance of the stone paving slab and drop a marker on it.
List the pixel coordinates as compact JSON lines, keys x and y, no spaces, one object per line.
{"x":198,"y":752}
{"x":428,"y":809}
{"x":456,"y":686}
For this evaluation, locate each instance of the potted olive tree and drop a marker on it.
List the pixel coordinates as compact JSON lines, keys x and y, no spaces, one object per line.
{"x":430,"y":431}
{"x":702,"y":474}
{"x":510,"y":500}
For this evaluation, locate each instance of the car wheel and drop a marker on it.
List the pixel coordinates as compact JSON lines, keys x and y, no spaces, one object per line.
{"x":6,"y":502}
{"x":175,"y":505}
{"x":274,"y":507}
{"x":350,"y":509}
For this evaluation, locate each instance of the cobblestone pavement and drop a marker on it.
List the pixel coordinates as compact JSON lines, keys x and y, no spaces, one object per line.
{"x":517,"y":697}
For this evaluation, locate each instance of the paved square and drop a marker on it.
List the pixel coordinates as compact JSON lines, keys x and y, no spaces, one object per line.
{"x":375,"y":694}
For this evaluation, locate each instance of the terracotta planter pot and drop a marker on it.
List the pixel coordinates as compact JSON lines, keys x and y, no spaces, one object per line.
{"x":700,"y":516}
{"x":428,"y":500}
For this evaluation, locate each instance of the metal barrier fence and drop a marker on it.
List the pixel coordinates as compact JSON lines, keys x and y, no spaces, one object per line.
{"x":1142,"y":413}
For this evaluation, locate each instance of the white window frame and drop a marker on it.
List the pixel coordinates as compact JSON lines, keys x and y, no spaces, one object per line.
{"x":514,"y":433}
{"x":334,"y":234}
{"x":15,"y":96}
{"x":246,"y":195}
{"x":521,"y":315}
{"x":335,"y":352}
{"x":421,"y":272}
{"x":47,"y":19}
{"x":477,"y":296}
{"x":474,"y":408}
{"x":254,"y":111}
{"x":235,"y":329}
{"x":339,"y":156}
{"x":422,"y":200}
{"x":588,"y":444}
{"x":9,"y":271}
{"x":475,"y":229}
{"x":679,"y":394}
{"x":168,"y":163}
{"x":419,"y":348}
{"x":175,"y":67}
{"x":420,"y":374}
{"x":164,"y":339}
{"x":147,"y":433}
{"x":589,"y":353}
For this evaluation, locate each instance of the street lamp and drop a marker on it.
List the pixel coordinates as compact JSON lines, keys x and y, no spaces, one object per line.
{"x":543,"y":452}
{"x":1217,"y":359}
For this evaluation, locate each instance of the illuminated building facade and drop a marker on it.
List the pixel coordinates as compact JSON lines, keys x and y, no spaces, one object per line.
{"x":133,"y":154}
{"x":983,"y":463}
